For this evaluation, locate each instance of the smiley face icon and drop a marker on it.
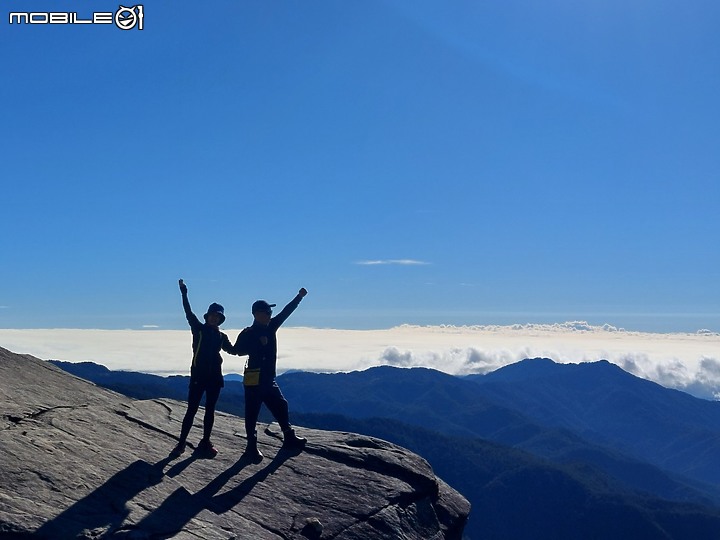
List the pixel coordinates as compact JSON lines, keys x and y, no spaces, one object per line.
{"x":127,"y":18}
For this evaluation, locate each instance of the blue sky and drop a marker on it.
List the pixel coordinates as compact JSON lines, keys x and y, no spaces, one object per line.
{"x":499,"y":162}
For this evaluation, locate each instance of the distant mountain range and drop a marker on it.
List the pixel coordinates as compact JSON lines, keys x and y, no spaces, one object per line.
{"x":577,"y":447}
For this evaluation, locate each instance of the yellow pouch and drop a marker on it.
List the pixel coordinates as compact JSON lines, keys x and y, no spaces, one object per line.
{"x":251,"y":377}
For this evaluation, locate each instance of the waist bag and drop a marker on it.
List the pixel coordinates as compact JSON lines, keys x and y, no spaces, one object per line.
{"x":251,"y":377}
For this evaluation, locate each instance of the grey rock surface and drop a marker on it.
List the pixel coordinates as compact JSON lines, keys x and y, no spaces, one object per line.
{"x":79,"y":461}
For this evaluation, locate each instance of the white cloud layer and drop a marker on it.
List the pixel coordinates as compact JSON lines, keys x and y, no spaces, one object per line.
{"x":689,"y":362}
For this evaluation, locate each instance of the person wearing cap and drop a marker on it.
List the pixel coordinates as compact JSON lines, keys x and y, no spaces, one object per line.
{"x":205,"y":372}
{"x":259,"y":342}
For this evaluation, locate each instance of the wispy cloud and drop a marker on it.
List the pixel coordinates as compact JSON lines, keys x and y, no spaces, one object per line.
{"x":398,"y":262}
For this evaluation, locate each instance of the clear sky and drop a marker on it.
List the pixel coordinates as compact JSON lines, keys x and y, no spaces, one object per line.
{"x":422,"y":162}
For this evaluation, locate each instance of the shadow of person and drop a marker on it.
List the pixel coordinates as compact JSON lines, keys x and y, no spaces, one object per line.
{"x":180,"y":466}
{"x":222,"y":503}
{"x":182,"y":506}
{"x":104,"y":509}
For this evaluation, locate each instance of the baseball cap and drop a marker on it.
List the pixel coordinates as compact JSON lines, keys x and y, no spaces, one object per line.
{"x":262,"y":305}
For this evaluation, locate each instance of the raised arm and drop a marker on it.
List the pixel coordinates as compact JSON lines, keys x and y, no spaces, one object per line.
{"x":287,"y":310}
{"x":193,"y":321}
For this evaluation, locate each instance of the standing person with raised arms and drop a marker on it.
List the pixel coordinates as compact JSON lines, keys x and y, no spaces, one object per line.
{"x":205,"y":373}
{"x":259,"y":342}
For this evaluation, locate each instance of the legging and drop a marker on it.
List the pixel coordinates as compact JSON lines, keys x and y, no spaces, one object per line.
{"x":212,"y":394}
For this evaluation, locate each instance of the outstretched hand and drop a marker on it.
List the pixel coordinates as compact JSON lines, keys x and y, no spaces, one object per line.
{"x":302,"y":292}
{"x":183,"y":287}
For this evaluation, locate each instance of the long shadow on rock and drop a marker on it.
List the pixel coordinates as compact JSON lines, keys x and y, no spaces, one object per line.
{"x":105,"y":508}
{"x":180,"y":466}
{"x":182,"y":506}
{"x":225,"y":502}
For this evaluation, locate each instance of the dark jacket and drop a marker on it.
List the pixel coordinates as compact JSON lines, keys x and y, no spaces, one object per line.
{"x":207,"y":341}
{"x":259,"y":355}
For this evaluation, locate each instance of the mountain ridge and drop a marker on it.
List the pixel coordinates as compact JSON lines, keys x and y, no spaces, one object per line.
{"x":609,"y":406}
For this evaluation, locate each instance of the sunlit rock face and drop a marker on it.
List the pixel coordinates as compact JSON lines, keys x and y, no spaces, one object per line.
{"x":79,"y":461}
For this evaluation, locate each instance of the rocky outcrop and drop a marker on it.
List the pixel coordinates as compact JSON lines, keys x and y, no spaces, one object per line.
{"x":78,"y":461}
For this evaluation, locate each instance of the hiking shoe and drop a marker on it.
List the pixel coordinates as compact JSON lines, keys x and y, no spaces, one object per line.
{"x":291,"y":440}
{"x":178,"y":450}
{"x":252,"y":454}
{"x":206,"y":447}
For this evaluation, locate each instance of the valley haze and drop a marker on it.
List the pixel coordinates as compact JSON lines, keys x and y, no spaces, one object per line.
{"x":684,"y":361}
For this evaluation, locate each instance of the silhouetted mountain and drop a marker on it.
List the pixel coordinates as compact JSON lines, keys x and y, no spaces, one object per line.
{"x":424,"y":397}
{"x":144,"y":386}
{"x":608,"y":406}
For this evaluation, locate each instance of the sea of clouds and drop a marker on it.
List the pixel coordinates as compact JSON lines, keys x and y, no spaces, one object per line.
{"x":684,"y":361}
